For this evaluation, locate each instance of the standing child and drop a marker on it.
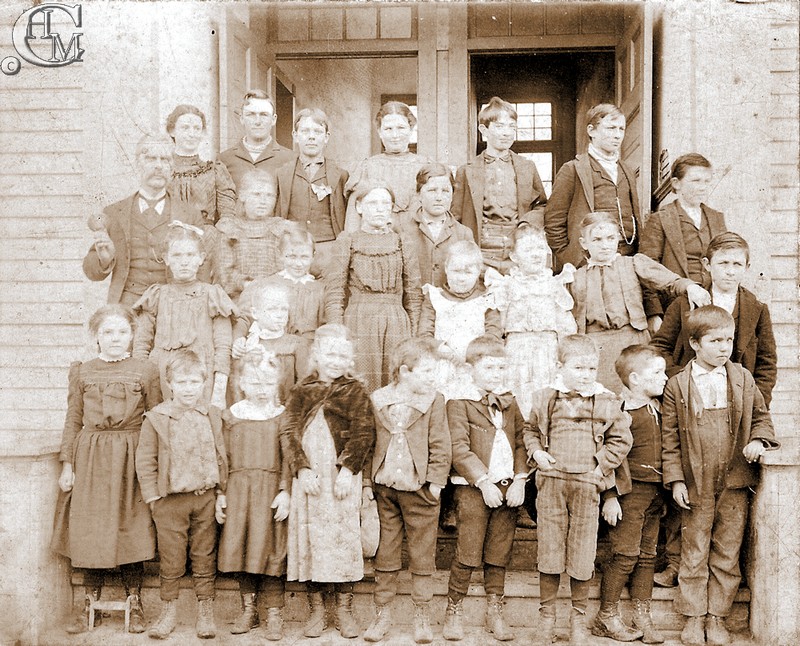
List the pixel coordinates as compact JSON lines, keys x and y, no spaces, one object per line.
{"x":715,"y":429}
{"x":633,"y":507}
{"x":186,"y":313}
{"x":431,"y":228}
{"x":103,"y":521}
{"x":490,"y":470}
{"x":183,"y":468}
{"x":577,"y":435}
{"x":535,"y":310}
{"x":409,"y":470}
{"x":374,"y":285}
{"x":498,"y":189}
{"x":609,"y":302}
{"x":249,"y":246}
{"x":329,"y":435}
{"x":253,"y":540}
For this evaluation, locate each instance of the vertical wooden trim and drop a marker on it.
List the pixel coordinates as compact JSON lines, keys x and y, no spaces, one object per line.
{"x":456,"y":149}
{"x":427,"y":74}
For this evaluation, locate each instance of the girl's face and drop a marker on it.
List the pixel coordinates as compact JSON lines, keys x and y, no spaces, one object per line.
{"x":530,"y":254}
{"x":395,"y":133}
{"x":114,"y":338}
{"x":462,"y":273}
{"x":184,"y":259}
{"x":188,"y":133}
{"x":272,"y":314}
{"x":600,"y":241}
{"x":260,"y":386}
{"x":693,"y":188}
{"x":375,"y":209}
{"x":297,"y":260}
{"x":436,"y":196}
{"x":259,"y":201}
{"x":334,"y":357}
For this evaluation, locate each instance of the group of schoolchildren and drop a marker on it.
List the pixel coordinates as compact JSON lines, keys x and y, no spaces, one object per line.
{"x":279,"y":372}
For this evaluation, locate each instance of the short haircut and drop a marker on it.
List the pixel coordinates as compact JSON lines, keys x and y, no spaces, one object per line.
{"x":271,"y":292}
{"x":684,"y":162}
{"x":429,"y":171}
{"x":634,"y":358}
{"x":727,"y":240}
{"x":316,"y":115}
{"x":599,"y":112}
{"x":484,"y":346}
{"x":150,"y":140}
{"x":295,"y":236}
{"x":464,"y":249}
{"x":107,"y":311}
{"x":181,"y":231}
{"x":395,"y":107}
{"x":179,"y":111}
{"x":703,"y":320}
{"x":185,"y":361}
{"x":258,"y":94}
{"x":526,"y":230}
{"x":576,"y":345}
{"x":591,"y":220}
{"x":366,"y":187}
{"x":258,"y":363}
{"x":493,"y":109}
{"x":256,"y":177}
{"x":328,"y":332}
{"x":409,"y":353}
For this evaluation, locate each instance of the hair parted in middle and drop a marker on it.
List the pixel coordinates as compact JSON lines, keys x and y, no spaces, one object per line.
{"x":493,"y":109}
{"x":395,"y":107}
{"x":179,"y":111}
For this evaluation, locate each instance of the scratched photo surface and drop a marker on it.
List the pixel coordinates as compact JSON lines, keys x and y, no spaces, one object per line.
{"x":82,"y":82}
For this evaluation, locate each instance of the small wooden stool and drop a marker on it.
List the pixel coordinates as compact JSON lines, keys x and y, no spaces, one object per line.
{"x":97,"y":605}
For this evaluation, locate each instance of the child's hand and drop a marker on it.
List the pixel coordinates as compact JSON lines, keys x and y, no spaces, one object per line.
{"x":309,"y":481}
{"x":281,"y":506}
{"x":543,"y":460}
{"x":367,"y":494}
{"x":343,"y":484}
{"x":104,"y":248}
{"x":239,"y":348}
{"x":492,"y":495}
{"x":436,"y":490}
{"x":67,"y":478}
{"x":515,"y":495}
{"x":567,"y":274}
{"x":680,"y":494}
{"x":612,"y":512}
{"x":753,"y":451}
{"x":220,"y":507}
{"x":697,"y":296}
{"x":218,"y":393}
{"x":654,"y":324}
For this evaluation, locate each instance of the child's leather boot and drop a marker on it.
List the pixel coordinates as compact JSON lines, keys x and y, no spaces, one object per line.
{"x":345,"y":622}
{"x":166,"y":622}
{"x":422,"y":624}
{"x":453,"y":621}
{"x":608,"y":623}
{"x":249,"y":617}
{"x":80,"y":620}
{"x":547,"y":624}
{"x":205,"y":626}
{"x":643,"y":620}
{"x":274,"y":624}
{"x":380,"y":626}
{"x":316,"y":618}
{"x":579,"y":634}
{"x":495,"y":623}
{"x":716,"y":632}
{"x":693,"y":633}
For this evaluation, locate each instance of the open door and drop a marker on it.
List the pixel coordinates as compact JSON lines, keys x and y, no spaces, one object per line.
{"x":634,"y":83}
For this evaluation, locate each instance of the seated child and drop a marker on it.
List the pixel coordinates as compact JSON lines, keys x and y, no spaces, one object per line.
{"x":249,"y":244}
{"x":267,"y":335}
{"x":715,"y":428}
{"x":183,"y":469}
{"x":308,"y":301}
{"x":409,"y":469}
{"x":577,"y":435}
{"x":633,"y":507}
{"x":253,"y":539}
{"x":609,"y":303}
{"x":490,"y":470}
{"x":431,"y":228}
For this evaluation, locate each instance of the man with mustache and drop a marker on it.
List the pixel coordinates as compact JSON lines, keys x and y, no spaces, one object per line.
{"x":129,"y":234}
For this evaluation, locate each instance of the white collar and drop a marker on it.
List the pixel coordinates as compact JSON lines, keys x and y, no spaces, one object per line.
{"x":698,"y":370}
{"x":602,"y":157}
{"x":595,"y":389}
{"x":308,"y":278}
{"x":247,"y":410}
{"x":594,"y":263}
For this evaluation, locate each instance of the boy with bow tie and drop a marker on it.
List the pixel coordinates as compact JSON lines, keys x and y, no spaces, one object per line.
{"x":577,"y":435}
{"x":489,"y":464}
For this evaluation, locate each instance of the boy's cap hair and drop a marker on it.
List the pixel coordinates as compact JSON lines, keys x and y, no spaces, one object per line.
{"x":106,"y":311}
{"x":634,"y":358}
{"x":684,"y":162}
{"x":591,"y":220}
{"x":409,"y":352}
{"x":703,"y":320}
{"x":295,"y":236}
{"x":576,"y":345}
{"x":185,"y":361}
{"x":464,"y":248}
{"x":429,"y":171}
{"x":493,"y":109}
{"x":727,"y":240}
{"x":395,"y":107}
{"x":179,"y":111}
{"x":316,"y":115}
{"x":485,"y":346}
{"x":258,"y":94}
{"x":599,"y":112}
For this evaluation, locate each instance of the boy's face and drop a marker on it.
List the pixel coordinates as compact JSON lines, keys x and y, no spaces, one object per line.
{"x":600,"y":241}
{"x":727,"y":268}
{"x":579,"y":372}
{"x":297,"y":260}
{"x":436,"y":196}
{"x":259,"y":201}
{"x":608,"y":134}
{"x":650,"y":379}
{"x":500,"y":133}
{"x":260,"y":387}
{"x":184,"y":259}
{"x":694,"y":186}
{"x":421,"y":378}
{"x":714,"y":348}
{"x":462,"y":274}
{"x":187,"y":388}
{"x":489,"y":373}
{"x":530,"y":254}
{"x":257,"y":119}
{"x":334,"y":357}
{"x":272,"y":314}
{"x":310,"y":137}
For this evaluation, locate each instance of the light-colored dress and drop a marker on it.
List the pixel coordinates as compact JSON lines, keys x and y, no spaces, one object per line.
{"x":324,"y":532}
